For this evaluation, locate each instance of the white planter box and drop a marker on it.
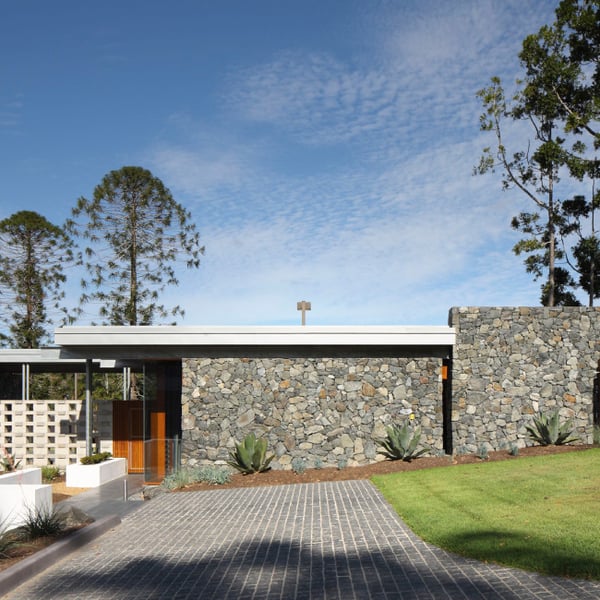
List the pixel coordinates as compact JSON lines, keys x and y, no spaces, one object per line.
{"x":94,"y":475}
{"x":17,"y":501}
{"x":29,"y":476}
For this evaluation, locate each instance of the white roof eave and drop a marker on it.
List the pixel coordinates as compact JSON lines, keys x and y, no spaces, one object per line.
{"x":107,"y":336}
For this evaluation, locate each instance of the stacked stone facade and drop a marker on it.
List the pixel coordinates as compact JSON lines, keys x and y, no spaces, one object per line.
{"x":327,"y":411}
{"x":509,"y":363}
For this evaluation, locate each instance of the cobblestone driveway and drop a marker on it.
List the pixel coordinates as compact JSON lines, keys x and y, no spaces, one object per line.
{"x":328,"y":540}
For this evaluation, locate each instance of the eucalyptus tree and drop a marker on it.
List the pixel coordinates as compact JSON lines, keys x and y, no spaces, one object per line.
{"x":563,"y":59}
{"x":33,"y":256}
{"x":135,"y":234}
{"x":580,"y":223}
{"x":533,"y":170}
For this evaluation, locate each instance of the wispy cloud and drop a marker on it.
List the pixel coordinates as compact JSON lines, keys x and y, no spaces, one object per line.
{"x":390,"y":226}
{"x":315,"y":97}
{"x":11,"y":112}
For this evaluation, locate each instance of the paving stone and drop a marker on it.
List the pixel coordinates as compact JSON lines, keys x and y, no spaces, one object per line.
{"x":308,"y":541}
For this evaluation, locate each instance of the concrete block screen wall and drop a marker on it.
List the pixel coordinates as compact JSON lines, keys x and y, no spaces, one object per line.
{"x":43,"y":432}
{"x":511,"y":362}
{"x":318,"y":408}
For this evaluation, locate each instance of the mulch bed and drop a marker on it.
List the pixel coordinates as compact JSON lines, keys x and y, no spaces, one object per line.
{"x":281,"y":477}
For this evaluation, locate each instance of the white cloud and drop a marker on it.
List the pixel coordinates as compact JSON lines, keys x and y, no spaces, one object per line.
{"x":395,"y":229}
{"x":11,"y":111}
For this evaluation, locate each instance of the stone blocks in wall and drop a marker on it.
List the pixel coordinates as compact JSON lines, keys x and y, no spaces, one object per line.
{"x":511,"y":362}
{"x":319,"y":409}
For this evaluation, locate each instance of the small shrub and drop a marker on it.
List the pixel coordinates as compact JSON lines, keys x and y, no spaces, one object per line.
{"x":250,"y":456}
{"x":342,"y":463}
{"x":214,"y":474}
{"x":401,"y":442}
{"x":180,"y":478}
{"x":50,"y":473}
{"x":482,"y":452}
{"x":461,"y":451}
{"x":8,"y":463}
{"x":41,"y":523}
{"x":549,"y":431}
{"x":513,"y":450}
{"x":94,"y":459}
{"x":7,"y":539}
{"x":298,"y":465}
{"x":318,"y":463}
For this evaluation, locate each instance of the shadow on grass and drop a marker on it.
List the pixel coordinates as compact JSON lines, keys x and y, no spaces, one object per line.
{"x":290,"y":570}
{"x":513,"y":550}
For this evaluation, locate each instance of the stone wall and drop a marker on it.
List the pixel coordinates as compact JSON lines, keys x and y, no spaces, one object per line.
{"x":324,"y":410}
{"x":511,"y":362}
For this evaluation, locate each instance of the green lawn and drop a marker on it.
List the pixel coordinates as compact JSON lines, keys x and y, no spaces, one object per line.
{"x":540,"y":514}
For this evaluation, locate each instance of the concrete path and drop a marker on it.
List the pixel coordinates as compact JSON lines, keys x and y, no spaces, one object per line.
{"x":117,"y":497}
{"x":328,"y":540}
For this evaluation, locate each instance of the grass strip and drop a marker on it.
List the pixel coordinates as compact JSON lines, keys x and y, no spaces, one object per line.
{"x":540,"y":514}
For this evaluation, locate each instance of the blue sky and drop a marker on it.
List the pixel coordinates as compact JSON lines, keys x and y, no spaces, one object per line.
{"x":325,"y":148}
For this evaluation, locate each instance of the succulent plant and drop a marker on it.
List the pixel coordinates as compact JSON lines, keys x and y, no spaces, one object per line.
{"x":250,"y":456}
{"x":401,"y":442}
{"x":549,"y":431}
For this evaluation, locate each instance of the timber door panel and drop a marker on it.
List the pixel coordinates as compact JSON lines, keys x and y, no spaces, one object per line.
{"x":157,"y":460}
{"x":128,"y":433}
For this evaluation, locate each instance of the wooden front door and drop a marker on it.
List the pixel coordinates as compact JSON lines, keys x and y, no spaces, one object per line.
{"x":128,"y":433}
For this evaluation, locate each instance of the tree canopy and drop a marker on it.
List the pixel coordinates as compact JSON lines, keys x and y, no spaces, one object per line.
{"x":34,"y":255}
{"x":135,"y":235}
{"x":558,"y":95}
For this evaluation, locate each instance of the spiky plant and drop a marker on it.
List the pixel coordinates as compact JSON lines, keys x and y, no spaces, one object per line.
{"x":7,"y":538}
{"x":401,"y":442}
{"x":41,"y":522}
{"x":250,"y":456}
{"x":8,"y":463}
{"x":549,"y":431}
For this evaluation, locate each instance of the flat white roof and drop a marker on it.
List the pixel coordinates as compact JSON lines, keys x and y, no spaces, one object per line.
{"x":180,"y":336}
{"x":45,"y":356}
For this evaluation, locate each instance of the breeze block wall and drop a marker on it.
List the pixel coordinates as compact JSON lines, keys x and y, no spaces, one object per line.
{"x":511,"y":362}
{"x":325,"y":410}
{"x":50,"y":432}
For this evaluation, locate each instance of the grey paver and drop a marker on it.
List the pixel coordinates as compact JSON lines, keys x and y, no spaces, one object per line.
{"x":307,"y":541}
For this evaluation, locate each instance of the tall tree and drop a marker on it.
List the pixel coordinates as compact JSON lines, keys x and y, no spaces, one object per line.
{"x":34,"y":253}
{"x":577,"y":67}
{"x":532,"y":170}
{"x":579,"y":221}
{"x":135,"y":233}
{"x":564,"y":59}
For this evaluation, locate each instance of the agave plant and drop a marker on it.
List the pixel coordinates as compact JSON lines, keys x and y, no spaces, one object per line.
{"x":401,"y":442}
{"x":549,"y":431}
{"x":250,"y":456}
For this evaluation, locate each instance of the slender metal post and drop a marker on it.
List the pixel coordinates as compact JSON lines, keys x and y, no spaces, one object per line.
{"x":88,"y":407}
